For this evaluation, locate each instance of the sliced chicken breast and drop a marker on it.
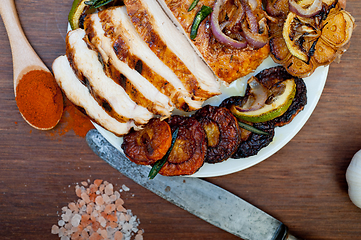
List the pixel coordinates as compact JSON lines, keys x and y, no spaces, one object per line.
{"x":110,"y":95}
{"x":228,"y":63}
{"x":101,"y":34}
{"x":126,"y":53}
{"x":79,"y":95}
{"x":173,"y":48}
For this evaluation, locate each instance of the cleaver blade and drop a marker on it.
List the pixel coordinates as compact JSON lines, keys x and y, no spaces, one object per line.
{"x":199,"y":197}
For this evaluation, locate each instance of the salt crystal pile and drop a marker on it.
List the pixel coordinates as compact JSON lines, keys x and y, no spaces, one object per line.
{"x":98,"y":214}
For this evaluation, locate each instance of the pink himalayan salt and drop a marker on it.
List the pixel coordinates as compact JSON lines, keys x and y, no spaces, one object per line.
{"x":118,"y":235}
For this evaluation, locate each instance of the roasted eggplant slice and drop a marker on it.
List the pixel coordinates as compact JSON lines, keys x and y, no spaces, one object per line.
{"x":148,"y":145}
{"x":189,"y":149}
{"x":222,"y":132}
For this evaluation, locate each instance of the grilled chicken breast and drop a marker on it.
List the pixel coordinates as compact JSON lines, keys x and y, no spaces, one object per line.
{"x":110,"y":95}
{"x":228,"y":63}
{"x":80,"y":96}
{"x":171,"y":47}
{"x":126,"y":55}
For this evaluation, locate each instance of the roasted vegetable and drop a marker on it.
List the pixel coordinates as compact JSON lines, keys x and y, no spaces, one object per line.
{"x":77,"y":14}
{"x":255,"y":142}
{"x":200,"y":16}
{"x":301,"y":44}
{"x":269,"y":77}
{"x":160,"y":163}
{"x":251,"y":128}
{"x":222,"y":132}
{"x":278,"y":98}
{"x":189,"y":149}
{"x":148,"y":145}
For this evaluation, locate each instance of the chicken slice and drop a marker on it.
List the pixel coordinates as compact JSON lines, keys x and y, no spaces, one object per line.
{"x":110,"y":95}
{"x":228,"y":63}
{"x":101,"y":35}
{"x":79,"y":95}
{"x":123,"y":50}
{"x":173,"y":48}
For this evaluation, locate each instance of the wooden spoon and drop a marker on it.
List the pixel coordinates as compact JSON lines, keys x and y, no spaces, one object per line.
{"x":25,"y":58}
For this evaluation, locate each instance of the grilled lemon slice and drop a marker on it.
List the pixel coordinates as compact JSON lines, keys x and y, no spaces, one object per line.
{"x":77,"y":11}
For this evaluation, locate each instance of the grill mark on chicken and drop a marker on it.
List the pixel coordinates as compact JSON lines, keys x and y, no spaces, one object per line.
{"x":139,"y":66}
{"x":102,"y":88}
{"x":131,"y":49}
{"x":228,"y":63}
{"x":100,"y":36}
{"x":84,"y":80}
{"x":191,"y":70}
{"x":79,"y":95}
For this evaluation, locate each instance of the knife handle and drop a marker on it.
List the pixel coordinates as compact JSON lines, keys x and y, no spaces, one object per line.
{"x":282,"y":233}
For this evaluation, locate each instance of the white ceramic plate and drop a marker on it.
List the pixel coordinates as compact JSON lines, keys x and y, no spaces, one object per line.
{"x":315,"y":84}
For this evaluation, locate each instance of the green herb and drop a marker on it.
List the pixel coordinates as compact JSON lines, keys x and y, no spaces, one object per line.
{"x":193,"y":5}
{"x":97,"y":3}
{"x":159,"y":164}
{"x":200,"y":16}
{"x":252,"y":129}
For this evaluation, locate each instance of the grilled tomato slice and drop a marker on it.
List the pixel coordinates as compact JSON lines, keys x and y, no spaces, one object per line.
{"x":149,"y":144}
{"x":222,"y":132}
{"x":189,"y":149}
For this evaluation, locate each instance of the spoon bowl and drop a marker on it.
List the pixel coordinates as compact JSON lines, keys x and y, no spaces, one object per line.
{"x":24,"y":57}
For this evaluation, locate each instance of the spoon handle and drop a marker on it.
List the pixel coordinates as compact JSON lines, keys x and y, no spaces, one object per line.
{"x":24,"y":56}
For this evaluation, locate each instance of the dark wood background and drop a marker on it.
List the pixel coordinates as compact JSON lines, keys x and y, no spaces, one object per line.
{"x":303,"y":184}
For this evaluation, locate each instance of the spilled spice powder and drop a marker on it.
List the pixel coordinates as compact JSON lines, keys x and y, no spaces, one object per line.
{"x":72,"y":119}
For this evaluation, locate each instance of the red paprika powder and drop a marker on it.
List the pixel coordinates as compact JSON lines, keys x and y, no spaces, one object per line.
{"x":39,"y":99}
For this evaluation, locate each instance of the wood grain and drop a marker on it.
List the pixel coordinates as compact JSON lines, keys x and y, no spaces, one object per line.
{"x":303,"y":184}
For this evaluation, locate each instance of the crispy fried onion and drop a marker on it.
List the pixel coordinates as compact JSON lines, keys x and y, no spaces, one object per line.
{"x":239,"y":23}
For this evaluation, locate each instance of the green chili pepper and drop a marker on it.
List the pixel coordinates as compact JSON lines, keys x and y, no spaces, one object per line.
{"x":159,"y":164}
{"x":97,"y":3}
{"x":200,"y":16}
{"x":193,"y":5}
{"x":252,"y":129}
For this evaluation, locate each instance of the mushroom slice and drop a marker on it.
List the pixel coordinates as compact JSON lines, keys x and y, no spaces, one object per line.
{"x":222,"y":131}
{"x":255,"y":142}
{"x":189,"y":149}
{"x":149,"y":144}
{"x":79,"y":95}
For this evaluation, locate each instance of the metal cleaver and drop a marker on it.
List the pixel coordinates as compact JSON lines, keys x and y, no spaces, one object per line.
{"x":232,"y":214}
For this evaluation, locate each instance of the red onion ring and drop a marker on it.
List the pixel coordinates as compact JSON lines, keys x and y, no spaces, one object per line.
{"x":253,"y":4}
{"x":259,"y":94}
{"x":217,"y":32}
{"x":254,"y":38}
{"x":311,"y":11}
{"x":251,"y":18}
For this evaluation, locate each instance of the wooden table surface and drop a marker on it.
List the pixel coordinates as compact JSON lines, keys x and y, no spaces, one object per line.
{"x":303,"y":184}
